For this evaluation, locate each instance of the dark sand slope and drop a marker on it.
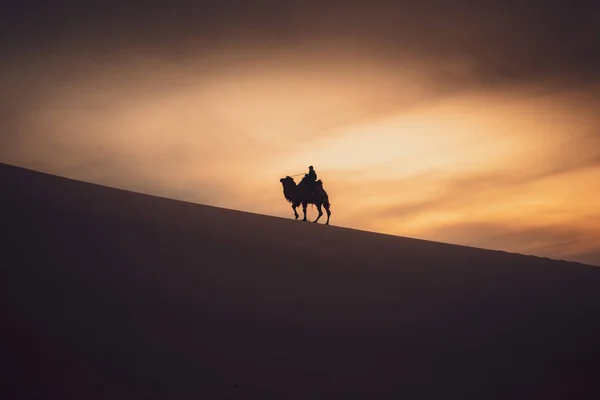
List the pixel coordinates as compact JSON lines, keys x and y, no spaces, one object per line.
{"x":108,"y":294}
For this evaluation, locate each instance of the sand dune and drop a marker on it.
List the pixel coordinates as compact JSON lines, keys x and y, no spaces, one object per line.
{"x":109,"y":294}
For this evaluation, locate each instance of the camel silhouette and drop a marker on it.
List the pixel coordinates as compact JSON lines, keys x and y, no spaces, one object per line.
{"x":301,"y":194}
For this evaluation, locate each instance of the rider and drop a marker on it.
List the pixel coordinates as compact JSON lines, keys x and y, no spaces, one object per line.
{"x":311,"y":178}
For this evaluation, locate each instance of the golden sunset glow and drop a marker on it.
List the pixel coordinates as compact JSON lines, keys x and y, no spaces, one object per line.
{"x":399,"y":148}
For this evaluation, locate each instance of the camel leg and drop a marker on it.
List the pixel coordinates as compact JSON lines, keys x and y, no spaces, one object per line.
{"x":304,"y":210}
{"x":328,"y":214}
{"x":320,"y":213}
{"x":295,"y":212}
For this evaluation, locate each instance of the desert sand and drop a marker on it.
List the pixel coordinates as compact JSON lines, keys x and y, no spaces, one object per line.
{"x":110,"y":294}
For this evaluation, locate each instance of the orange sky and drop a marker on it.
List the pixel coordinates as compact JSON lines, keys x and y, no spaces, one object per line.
{"x":417,"y":145}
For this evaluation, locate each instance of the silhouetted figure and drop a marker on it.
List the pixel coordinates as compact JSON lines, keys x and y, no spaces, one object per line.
{"x":311,"y":179}
{"x":312,"y":174}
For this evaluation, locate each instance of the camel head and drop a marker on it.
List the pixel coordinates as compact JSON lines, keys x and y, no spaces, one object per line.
{"x":287,"y":180}
{"x":289,"y":188}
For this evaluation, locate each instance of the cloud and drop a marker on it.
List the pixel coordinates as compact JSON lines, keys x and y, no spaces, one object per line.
{"x":417,"y":116}
{"x":556,"y":241}
{"x":504,"y":41}
{"x":467,"y":188}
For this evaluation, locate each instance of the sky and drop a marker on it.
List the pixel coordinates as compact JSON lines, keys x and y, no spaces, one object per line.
{"x":465,"y":122}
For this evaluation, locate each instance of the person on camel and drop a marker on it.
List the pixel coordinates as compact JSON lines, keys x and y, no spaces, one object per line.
{"x":311,"y":178}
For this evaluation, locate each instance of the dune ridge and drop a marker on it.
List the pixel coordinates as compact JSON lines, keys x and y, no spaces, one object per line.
{"x":120,"y":295}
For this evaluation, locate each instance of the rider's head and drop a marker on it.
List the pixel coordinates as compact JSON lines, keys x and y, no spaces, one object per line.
{"x":311,"y":167}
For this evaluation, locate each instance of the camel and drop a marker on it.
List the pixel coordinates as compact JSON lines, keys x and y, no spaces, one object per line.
{"x":299,"y":194}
